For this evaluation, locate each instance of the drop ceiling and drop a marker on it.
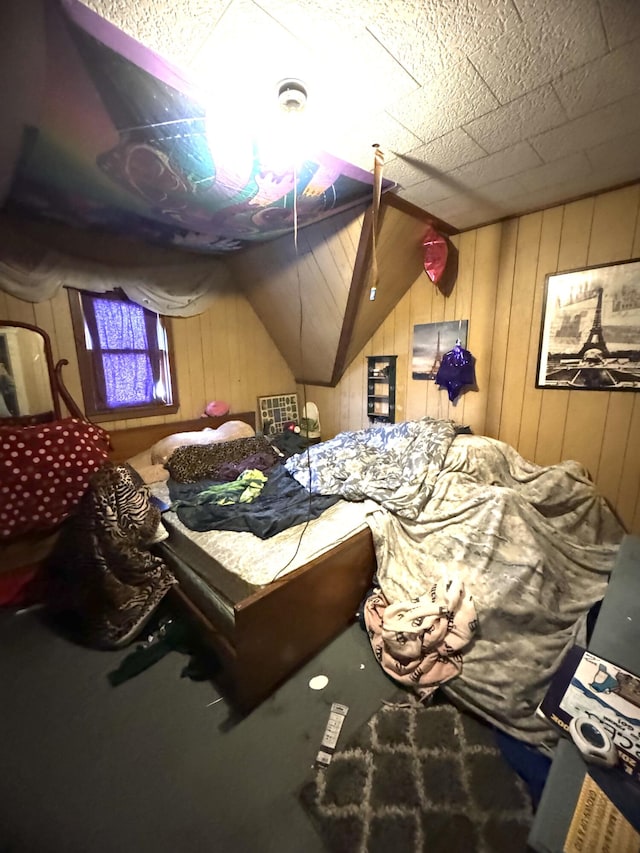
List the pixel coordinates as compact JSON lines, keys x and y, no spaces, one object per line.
{"x":483,"y":108}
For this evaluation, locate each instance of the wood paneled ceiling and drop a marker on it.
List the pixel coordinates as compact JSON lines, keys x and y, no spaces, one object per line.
{"x":314,"y":297}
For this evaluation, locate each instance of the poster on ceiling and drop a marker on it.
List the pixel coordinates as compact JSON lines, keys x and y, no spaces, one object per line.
{"x":126,"y":143}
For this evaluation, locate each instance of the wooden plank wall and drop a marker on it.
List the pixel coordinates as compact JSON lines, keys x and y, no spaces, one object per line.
{"x":500,"y":289}
{"x":223,"y":354}
{"x":400,"y":260}
{"x":299,"y":289}
{"x":316,"y":308}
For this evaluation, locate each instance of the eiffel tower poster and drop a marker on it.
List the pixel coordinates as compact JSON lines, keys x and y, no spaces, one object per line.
{"x":431,"y":341}
{"x":590,"y":338}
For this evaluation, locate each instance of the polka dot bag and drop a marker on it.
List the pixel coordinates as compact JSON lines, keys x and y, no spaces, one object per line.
{"x":44,"y":472}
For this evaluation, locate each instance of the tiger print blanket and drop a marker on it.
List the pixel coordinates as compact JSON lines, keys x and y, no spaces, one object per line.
{"x":102,"y":572}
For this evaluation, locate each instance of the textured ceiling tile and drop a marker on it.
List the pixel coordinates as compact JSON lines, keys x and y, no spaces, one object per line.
{"x":621,"y":20}
{"x":505,"y":163}
{"x":619,"y":153}
{"x":429,"y":191}
{"x":531,"y":114}
{"x":477,"y":218}
{"x":544,"y":197}
{"x":589,"y":130}
{"x":340,"y":27}
{"x":442,"y":155}
{"x":464,"y":26}
{"x":246,"y":29}
{"x":602,"y":181}
{"x":601,"y":82}
{"x":353,"y":141}
{"x":464,"y":212}
{"x":500,"y":191}
{"x":319,"y":20}
{"x":556,"y":37}
{"x":408,"y":32}
{"x":427,"y":37}
{"x":404,"y":173}
{"x":574,"y":166}
{"x":340,"y":91}
{"x":565,"y":192}
{"x":447,"y":101}
{"x":173,"y":28}
{"x":347,"y":83}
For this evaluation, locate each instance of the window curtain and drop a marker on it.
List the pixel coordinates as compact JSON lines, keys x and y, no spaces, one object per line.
{"x":125,"y":354}
{"x":34,"y":273}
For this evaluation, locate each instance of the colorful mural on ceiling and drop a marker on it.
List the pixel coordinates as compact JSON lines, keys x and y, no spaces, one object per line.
{"x":126,"y":143}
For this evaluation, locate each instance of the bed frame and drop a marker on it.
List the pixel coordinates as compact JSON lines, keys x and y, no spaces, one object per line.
{"x":282,"y":625}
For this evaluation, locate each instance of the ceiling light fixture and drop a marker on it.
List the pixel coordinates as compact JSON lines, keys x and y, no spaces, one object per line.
{"x":292,"y":95}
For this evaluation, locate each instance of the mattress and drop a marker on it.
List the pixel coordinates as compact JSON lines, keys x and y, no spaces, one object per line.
{"x":219,"y":568}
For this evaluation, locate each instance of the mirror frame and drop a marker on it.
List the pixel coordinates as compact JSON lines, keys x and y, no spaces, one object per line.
{"x":58,"y":389}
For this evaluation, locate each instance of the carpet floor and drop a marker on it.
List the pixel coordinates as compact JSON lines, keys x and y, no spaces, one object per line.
{"x":160,"y":763}
{"x":417,"y":778}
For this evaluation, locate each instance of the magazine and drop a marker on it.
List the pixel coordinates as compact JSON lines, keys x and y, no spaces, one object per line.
{"x":586,"y":684}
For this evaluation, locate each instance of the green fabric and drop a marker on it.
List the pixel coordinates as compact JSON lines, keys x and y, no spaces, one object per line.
{"x":244,"y":489}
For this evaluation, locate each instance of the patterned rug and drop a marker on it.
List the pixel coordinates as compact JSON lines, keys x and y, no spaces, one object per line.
{"x":417,"y":779}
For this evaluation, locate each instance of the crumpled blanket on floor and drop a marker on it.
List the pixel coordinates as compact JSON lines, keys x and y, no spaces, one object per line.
{"x":535,"y":547}
{"x":419,"y":642}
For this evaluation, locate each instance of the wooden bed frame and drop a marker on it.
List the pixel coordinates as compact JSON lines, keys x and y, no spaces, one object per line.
{"x":282,"y":625}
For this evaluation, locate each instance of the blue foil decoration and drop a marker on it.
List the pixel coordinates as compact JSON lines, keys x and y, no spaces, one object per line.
{"x":456,"y":371}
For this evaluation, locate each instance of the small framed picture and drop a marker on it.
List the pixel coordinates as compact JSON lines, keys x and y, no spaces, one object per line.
{"x":590,"y":333}
{"x":276,"y":411}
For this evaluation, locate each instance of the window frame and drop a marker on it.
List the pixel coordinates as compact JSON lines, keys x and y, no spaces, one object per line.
{"x":93,"y":409}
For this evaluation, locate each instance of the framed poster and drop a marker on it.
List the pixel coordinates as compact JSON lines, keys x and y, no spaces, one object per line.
{"x":431,"y":341}
{"x":590,"y":334}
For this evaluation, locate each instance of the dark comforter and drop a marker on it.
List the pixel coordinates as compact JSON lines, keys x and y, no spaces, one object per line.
{"x":282,"y":503}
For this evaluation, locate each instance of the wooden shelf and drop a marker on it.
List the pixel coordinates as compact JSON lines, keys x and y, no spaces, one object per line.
{"x":381,"y":388}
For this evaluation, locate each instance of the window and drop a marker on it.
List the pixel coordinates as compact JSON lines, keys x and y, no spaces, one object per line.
{"x":124,"y":356}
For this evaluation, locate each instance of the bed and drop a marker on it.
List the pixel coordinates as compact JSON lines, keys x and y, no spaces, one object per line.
{"x":424,"y":503}
{"x":261,"y":627}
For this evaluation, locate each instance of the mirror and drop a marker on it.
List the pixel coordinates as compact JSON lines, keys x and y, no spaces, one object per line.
{"x":26,"y":371}
{"x":30,"y":385}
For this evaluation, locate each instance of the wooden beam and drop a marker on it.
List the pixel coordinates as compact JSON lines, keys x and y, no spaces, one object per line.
{"x":358,"y":283}
{"x":410,"y":209}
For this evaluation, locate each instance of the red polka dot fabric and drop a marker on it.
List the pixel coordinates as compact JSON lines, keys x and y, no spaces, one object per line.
{"x":44,"y":471}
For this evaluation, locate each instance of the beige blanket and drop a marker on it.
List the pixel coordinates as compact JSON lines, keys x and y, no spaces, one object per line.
{"x":534,"y":546}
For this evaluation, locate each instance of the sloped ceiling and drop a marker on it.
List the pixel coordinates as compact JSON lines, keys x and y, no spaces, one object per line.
{"x":125,"y":142}
{"x":314,"y":295}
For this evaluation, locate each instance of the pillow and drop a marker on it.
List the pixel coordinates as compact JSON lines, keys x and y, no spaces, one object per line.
{"x":150,"y":472}
{"x":162,"y":450}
